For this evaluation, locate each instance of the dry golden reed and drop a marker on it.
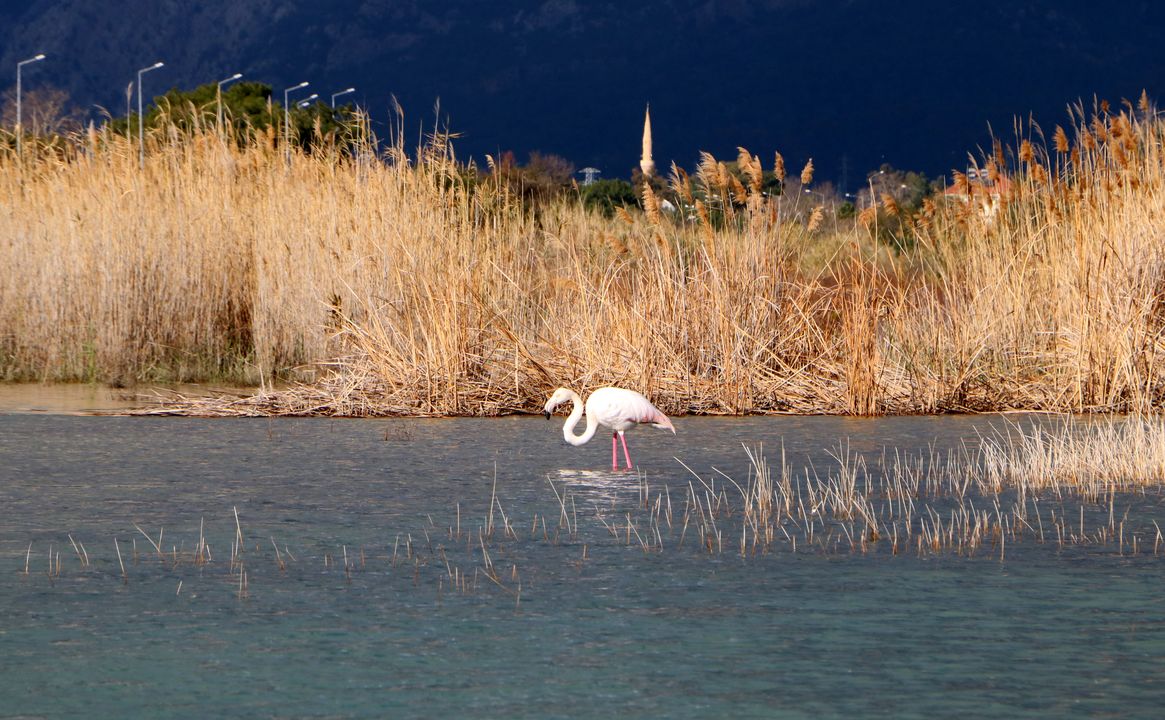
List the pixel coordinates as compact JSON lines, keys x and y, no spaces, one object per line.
{"x":779,"y":168}
{"x":807,"y":173}
{"x":751,"y":167}
{"x":651,"y":205}
{"x":815,"y":218}
{"x":1026,"y":151}
{"x":402,"y":289}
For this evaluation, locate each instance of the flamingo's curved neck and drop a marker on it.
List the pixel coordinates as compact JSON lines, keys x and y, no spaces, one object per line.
{"x":572,"y":420}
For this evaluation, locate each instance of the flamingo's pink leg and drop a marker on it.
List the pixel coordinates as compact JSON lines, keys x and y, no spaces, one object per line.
{"x":614,"y":455}
{"x":626,"y":455}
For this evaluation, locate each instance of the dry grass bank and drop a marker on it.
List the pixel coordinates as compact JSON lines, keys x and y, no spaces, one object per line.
{"x":1056,"y":303}
{"x":424,"y":294}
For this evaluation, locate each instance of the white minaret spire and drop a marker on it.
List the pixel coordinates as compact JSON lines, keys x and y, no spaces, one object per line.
{"x":646,"y":164}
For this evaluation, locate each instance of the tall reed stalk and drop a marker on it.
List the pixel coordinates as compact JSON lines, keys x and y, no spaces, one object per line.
{"x":406,"y":282}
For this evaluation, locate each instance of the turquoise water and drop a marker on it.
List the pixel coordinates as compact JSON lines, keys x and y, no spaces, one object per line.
{"x":601,"y":627}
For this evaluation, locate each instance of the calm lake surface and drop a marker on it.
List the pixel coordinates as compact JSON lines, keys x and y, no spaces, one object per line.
{"x":378,"y":603}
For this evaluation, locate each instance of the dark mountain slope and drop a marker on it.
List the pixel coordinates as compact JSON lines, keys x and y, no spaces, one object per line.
{"x":912,"y":83}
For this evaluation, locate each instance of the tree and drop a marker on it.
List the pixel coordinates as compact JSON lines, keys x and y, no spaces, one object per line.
{"x":246,"y":106}
{"x":543,"y":177}
{"x":546,"y":175}
{"x":895,"y":198}
{"x":906,"y":187}
{"x":45,"y":110}
{"x":246,"y":109}
{"x":607,"y":194}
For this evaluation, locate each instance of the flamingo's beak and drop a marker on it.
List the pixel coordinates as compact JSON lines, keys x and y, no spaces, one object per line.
{"x":546,"y":413}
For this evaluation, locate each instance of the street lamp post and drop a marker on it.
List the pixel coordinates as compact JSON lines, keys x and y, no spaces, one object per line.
{"x":307,"y":100}
{"x":218,"y":95}
{"x":141,"y":123}
{"x":342,"y":92}
{"x":19,"y":128}
{"x":287,"y":117}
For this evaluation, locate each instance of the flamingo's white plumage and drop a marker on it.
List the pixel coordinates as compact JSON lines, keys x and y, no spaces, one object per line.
{"x":613,"y":408}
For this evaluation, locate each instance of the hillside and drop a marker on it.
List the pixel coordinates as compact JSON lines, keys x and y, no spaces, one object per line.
{"x":853,"y":84}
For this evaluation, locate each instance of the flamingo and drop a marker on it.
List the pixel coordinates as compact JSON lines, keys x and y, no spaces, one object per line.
{"x":612,"y":407}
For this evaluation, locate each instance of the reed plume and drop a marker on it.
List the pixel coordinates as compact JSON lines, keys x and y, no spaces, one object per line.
{"x":807,"y":173}
{"x":410,"y":284}
{"x":779,"y":167}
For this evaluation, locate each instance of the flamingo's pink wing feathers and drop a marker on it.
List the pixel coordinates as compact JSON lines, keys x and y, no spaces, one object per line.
{"x":622,"y":409}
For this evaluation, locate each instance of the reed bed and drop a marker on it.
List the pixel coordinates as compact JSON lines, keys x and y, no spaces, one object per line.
{"x":1093,"y":460}
{"x":407,"y":283}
